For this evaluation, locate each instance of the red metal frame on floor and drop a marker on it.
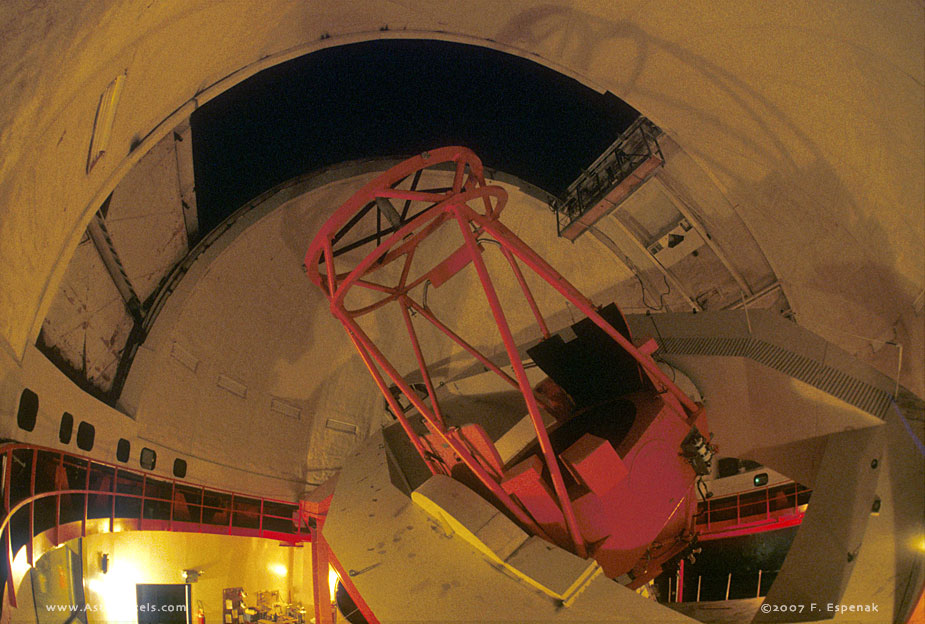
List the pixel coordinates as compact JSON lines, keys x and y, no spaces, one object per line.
{"x":94,"y":506}
{"x":756,"y":511}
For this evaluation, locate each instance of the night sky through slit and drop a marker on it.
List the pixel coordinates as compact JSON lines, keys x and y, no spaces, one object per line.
{"x":397,"y":98}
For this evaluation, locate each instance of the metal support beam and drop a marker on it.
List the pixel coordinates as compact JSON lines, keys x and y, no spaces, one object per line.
{"x":324,"y":613}
{"x":669,"y":191}
{"x":102,"y":241}
{"x":135,"y":338}
{"x":98,"y":233}
{"x":533,"y":408}
{"x":386,"y":208}
{"x":186,"y":181}
{"x":345,"y":579}
{"x":747,"y":301}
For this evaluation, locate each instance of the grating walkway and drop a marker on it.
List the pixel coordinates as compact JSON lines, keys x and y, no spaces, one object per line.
{"x":777,"y":343}
{"x":827,"y":378}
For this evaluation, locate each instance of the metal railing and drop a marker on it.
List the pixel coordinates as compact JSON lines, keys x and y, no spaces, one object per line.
{"x":752,"y":511}
{"x":637,"y":144}
{"x":60,"y":496}
{"x":721,"y":587}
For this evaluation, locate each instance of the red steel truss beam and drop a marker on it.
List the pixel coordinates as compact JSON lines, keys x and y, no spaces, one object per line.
{"x":510,"y":241}
{"x":321,"y":592}
{"x":448,"y":437}
{"x":532,"y":408}
{"x":398,"y":244}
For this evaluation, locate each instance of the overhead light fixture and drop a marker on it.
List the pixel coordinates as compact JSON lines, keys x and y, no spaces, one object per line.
{"x":105,"y":116}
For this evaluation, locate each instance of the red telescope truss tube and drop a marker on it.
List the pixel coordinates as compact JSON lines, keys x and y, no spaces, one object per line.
{"x":584,"y":498}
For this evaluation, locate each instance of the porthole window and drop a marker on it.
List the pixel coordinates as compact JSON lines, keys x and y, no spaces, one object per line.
{"x":123,"y":450}
{"x":179,"y":468}
{"x":85,"y":435}
{"x":148,"y":458}
{"x":67,"y":428}
{"x":28,"y":409}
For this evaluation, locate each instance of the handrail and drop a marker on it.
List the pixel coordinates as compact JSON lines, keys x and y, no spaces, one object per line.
{"x":762,"y":584}
{"x":772,"y":518}
{"x":114,"y":494}
{"x":4,"y":448}
{"x":633,"y":147}
{"x":161,"y":497}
